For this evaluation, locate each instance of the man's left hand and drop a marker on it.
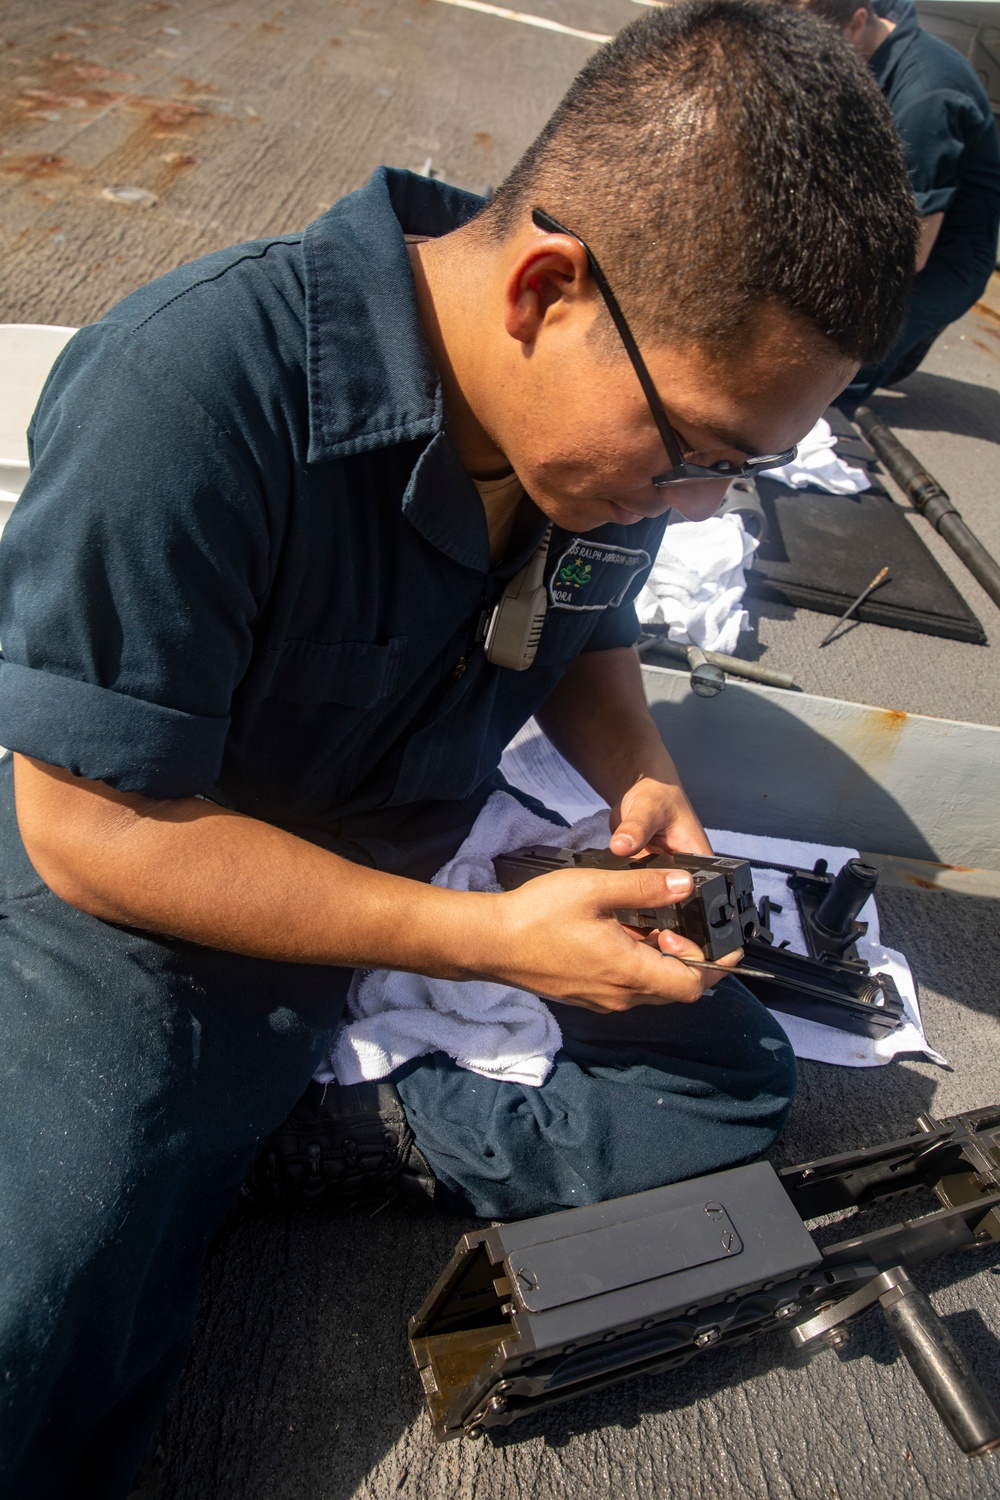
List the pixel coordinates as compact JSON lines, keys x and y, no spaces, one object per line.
{"x":656,"y":817}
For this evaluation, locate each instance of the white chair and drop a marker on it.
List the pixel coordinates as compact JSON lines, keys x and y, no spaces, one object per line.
{"x":27,"y":354}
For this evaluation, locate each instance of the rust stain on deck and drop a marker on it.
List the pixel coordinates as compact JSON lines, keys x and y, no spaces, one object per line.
{"x":924,"y":884}
{"x":887,"y":720}
{"x":68,"y":81}
{"x":33,"y":165}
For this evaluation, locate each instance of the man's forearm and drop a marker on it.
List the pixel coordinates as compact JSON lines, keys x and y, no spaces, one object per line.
{"x":192,"y":870}
{"x":598,"y":718}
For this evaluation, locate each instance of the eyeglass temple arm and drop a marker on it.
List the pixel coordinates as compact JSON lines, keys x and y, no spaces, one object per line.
{"x":552,"y":226}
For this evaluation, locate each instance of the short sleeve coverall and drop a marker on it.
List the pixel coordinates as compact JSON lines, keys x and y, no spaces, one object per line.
{"x":249,"y":565}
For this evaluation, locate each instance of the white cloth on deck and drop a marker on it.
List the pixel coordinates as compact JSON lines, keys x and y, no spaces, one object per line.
{"x":491,"y":1029}
{"x":697,"y":582}
{"x":816,"y":466}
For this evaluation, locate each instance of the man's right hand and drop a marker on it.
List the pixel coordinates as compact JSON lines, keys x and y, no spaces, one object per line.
{"x":558,"y":936}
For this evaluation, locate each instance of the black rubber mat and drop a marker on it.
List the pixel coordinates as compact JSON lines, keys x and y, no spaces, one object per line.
{"x":821,"y":550}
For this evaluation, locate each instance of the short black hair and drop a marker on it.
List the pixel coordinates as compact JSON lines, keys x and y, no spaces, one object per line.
{"x":719,"y":153}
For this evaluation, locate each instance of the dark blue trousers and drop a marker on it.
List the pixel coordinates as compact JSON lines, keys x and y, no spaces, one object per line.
{"x":634,"y":1100}
{"x":137,"y":1076}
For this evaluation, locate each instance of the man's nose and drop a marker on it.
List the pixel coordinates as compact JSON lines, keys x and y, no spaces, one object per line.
{"x":697,"y":499}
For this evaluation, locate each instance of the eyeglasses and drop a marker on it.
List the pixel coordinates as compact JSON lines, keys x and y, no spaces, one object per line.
{"x":682,"y":471}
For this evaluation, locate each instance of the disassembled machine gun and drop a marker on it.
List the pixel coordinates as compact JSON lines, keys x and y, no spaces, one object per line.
{"x":534,"y":1313}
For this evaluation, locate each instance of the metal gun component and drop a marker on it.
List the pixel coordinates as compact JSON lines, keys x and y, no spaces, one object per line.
{"x":706,"y":680}
{"x":931,"y":500}
{"x":534,"y":1313}
{"x":929,"y":1349}
{"x":719,"y":915}
{"x":656,"y":644}
{"x":743,"y":498}
{"x":829,"y":905}
{"x":832,"y":985}
{"x":837,"y":993}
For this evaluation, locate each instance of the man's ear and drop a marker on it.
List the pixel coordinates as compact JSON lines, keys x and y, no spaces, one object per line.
{"x":857,"y":26}
{"x":548,"y":280}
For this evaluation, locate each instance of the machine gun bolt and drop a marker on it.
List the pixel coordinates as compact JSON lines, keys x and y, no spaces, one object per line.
{"x":788,"y":1311}
{"x":710,"y":1336}
{"x":837,"y":1337}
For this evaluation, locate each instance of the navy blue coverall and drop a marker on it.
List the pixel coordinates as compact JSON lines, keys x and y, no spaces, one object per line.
{"x":951,"y":151}
{"x":245,"y":566}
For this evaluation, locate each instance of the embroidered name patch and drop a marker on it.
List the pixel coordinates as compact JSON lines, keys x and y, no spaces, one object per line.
{"x":594,"y":575}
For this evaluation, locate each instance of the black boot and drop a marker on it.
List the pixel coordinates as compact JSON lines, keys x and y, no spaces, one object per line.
{"x":341,"y":1145}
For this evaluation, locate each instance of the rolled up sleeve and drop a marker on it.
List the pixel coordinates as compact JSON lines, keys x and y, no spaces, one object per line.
{"x":616,"y":627}
{"x":130,"y":574}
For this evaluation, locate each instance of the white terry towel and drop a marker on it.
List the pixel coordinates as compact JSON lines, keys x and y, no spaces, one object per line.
{"x":697,"y":583}
{"x":490,"y":1029}
{"x":816,"y":466}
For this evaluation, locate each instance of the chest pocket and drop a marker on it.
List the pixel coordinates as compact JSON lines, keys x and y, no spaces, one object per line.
{"x":355,"y":674}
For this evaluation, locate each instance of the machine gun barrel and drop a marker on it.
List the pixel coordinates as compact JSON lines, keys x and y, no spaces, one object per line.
{"x":940,"y":1366}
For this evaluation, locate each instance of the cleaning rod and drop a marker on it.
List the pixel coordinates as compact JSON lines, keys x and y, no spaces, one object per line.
{"x":931,"y":500}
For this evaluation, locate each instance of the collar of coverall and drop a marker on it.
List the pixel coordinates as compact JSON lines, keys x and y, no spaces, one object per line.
{"x":372,"y":379}
{"x":904,"y":14}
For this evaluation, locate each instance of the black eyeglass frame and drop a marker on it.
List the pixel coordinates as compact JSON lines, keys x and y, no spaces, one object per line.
{"x":683,"y":471}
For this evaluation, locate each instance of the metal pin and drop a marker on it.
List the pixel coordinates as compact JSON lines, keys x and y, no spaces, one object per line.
{"x":703,"y":963}
{"x":848,"y":612}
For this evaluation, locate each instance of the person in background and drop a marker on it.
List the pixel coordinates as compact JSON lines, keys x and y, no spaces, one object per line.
{"x":952,"y":154}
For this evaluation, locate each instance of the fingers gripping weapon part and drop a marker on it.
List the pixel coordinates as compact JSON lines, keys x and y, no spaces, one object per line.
{"x":831,"y":985}
{"x":719,"y":915}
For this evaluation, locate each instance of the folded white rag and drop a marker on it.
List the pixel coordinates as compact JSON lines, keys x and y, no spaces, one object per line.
{"x":490,"y":1029}
{"x":817,"y":467}
{"x":697,"y":582}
